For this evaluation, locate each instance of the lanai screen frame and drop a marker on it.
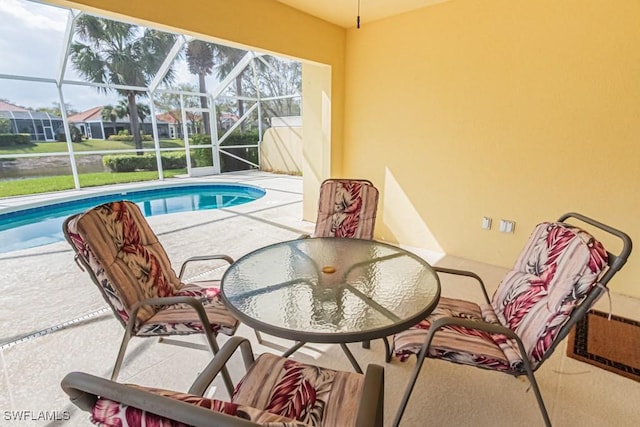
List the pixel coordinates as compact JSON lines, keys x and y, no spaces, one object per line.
{"x":154,"y":88}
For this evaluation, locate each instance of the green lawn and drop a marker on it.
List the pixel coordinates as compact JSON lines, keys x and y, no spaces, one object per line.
{"x":65,"y":182}
{"x":88,"y":145}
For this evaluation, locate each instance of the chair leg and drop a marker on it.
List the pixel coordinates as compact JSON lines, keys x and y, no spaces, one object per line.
{"x":123,"y":348}
{"x":213,"y":344}
{"x":408,"y":390}
{"x":536,"y":391}
{"x":387,"y":350}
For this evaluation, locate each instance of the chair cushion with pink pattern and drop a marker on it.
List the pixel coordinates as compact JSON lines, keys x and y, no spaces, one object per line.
{"x":109,"y":413}
{"x":557,"y":269}
{"x":308,"y":394}
{"x":346,"y":208}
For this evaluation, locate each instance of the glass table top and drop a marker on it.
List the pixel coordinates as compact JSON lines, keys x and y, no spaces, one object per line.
{"x":330,"y":289}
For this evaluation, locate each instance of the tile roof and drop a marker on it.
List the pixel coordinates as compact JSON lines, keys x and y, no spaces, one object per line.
{"x":6,"y":106}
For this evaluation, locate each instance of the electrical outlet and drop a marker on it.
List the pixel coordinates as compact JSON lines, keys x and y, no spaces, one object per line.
{"x":511,"y":225}
{"x":507,"y":226}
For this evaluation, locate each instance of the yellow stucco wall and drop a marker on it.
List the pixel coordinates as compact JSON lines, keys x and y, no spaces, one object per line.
{"x":516,"y":110}
{"x":464,"y":109}
{"x":281,"y":150}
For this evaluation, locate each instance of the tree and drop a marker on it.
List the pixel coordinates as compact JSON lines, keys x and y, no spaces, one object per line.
{"x":56,"y":110}
{"x":200,"y":61}
{"x":143,"y":109}
{"x":5,"y":125}
{"x":110,"y":52}
{"x":278,"y":77}
{"x":111,"y":113}
{"x":227,"y":58}
{"x":169,"y":103}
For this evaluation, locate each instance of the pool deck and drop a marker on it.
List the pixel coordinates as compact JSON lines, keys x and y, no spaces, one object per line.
{"x":53,"y":321}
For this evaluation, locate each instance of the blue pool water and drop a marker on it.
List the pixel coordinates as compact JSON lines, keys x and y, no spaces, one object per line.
{"x":37,"y":226}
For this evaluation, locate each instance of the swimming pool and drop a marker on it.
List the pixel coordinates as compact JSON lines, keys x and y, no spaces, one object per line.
{"x":41,"y":225}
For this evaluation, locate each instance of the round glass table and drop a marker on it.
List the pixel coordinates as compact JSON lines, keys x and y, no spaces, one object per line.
{"x":330,"y":290}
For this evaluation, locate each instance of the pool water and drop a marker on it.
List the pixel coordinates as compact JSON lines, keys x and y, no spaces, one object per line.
{"x":42,"y":225}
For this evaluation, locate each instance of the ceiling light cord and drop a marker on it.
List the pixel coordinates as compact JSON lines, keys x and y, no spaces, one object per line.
{"x":358,"y":18}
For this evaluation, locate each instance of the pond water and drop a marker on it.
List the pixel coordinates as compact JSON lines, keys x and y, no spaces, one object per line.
{"x":34,"y":167}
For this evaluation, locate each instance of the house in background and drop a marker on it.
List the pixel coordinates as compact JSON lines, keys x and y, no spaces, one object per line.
{"x":194,"y":125}
{"x":91,"y":124}
{"x":173,"y":128}
{"x":41,"y":126}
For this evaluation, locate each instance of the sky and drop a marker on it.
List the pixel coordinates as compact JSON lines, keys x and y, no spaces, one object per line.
{"x":32,"y":44}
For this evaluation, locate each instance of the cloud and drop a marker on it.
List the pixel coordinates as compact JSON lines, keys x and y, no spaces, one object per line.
{"x":34,"y":16}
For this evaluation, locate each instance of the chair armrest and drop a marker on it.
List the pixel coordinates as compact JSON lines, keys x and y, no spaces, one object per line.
{"x":467,"y":274}
{"x":193,"y":302}
{"x":492,"y":328}
{"x":371,"y":409}
{"x":202,"y":383}
{"x":84,"y":389}
{"x":226,"y":258}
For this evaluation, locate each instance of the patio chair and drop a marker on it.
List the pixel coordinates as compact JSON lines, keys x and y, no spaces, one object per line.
{"x":274,"y":392}
{"x":559,"y":275}
{"x":346,"y":208}
{"x":115,"y":245}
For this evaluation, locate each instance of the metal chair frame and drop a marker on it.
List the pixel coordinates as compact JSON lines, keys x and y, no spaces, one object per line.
{"x":84,"y":390}
{"x":132,"y":326}
{"x":615,"y":263}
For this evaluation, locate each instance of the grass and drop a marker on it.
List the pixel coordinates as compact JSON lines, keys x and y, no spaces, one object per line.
{"x":65,"y":182}
{"x":88,"y":145}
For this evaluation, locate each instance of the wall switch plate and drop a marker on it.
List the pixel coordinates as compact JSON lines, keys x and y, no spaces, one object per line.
{"x":486,"y":223}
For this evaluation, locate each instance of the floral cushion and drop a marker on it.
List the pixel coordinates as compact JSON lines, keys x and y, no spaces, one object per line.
{"x":109,"y":413}
{"x":347,"y":208}
{"x":456,"y":343}
{"x":275,"y":392}
{"x":554,"y":273}
{"x":129,"y":265}
{"x":133,"y":259}
{"x":107,"y":289}
{"x":308,"y":394}
{"x":182,"y":319}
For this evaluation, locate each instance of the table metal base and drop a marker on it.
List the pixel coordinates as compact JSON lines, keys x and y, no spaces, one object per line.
{"x":344,"y":347}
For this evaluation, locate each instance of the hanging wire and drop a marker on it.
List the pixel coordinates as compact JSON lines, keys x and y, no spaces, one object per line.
{"x":358,"y":18}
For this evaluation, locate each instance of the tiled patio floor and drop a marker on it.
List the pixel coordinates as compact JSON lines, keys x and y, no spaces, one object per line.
{"x":43,"y":287}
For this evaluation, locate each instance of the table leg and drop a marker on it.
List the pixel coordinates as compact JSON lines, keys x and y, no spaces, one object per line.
{"x":293,"y":349}
{"x":352,"y":359}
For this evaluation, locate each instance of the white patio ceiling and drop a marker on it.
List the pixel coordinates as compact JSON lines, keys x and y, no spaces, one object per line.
{"x":344,"y":12}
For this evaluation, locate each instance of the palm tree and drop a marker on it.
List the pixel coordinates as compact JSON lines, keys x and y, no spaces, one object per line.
{"x":117,"y":53}
{"x":143,"y":109}
{"x":200,"y":61}
{"x":227,"y":58}
{"x":111,"y":114}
